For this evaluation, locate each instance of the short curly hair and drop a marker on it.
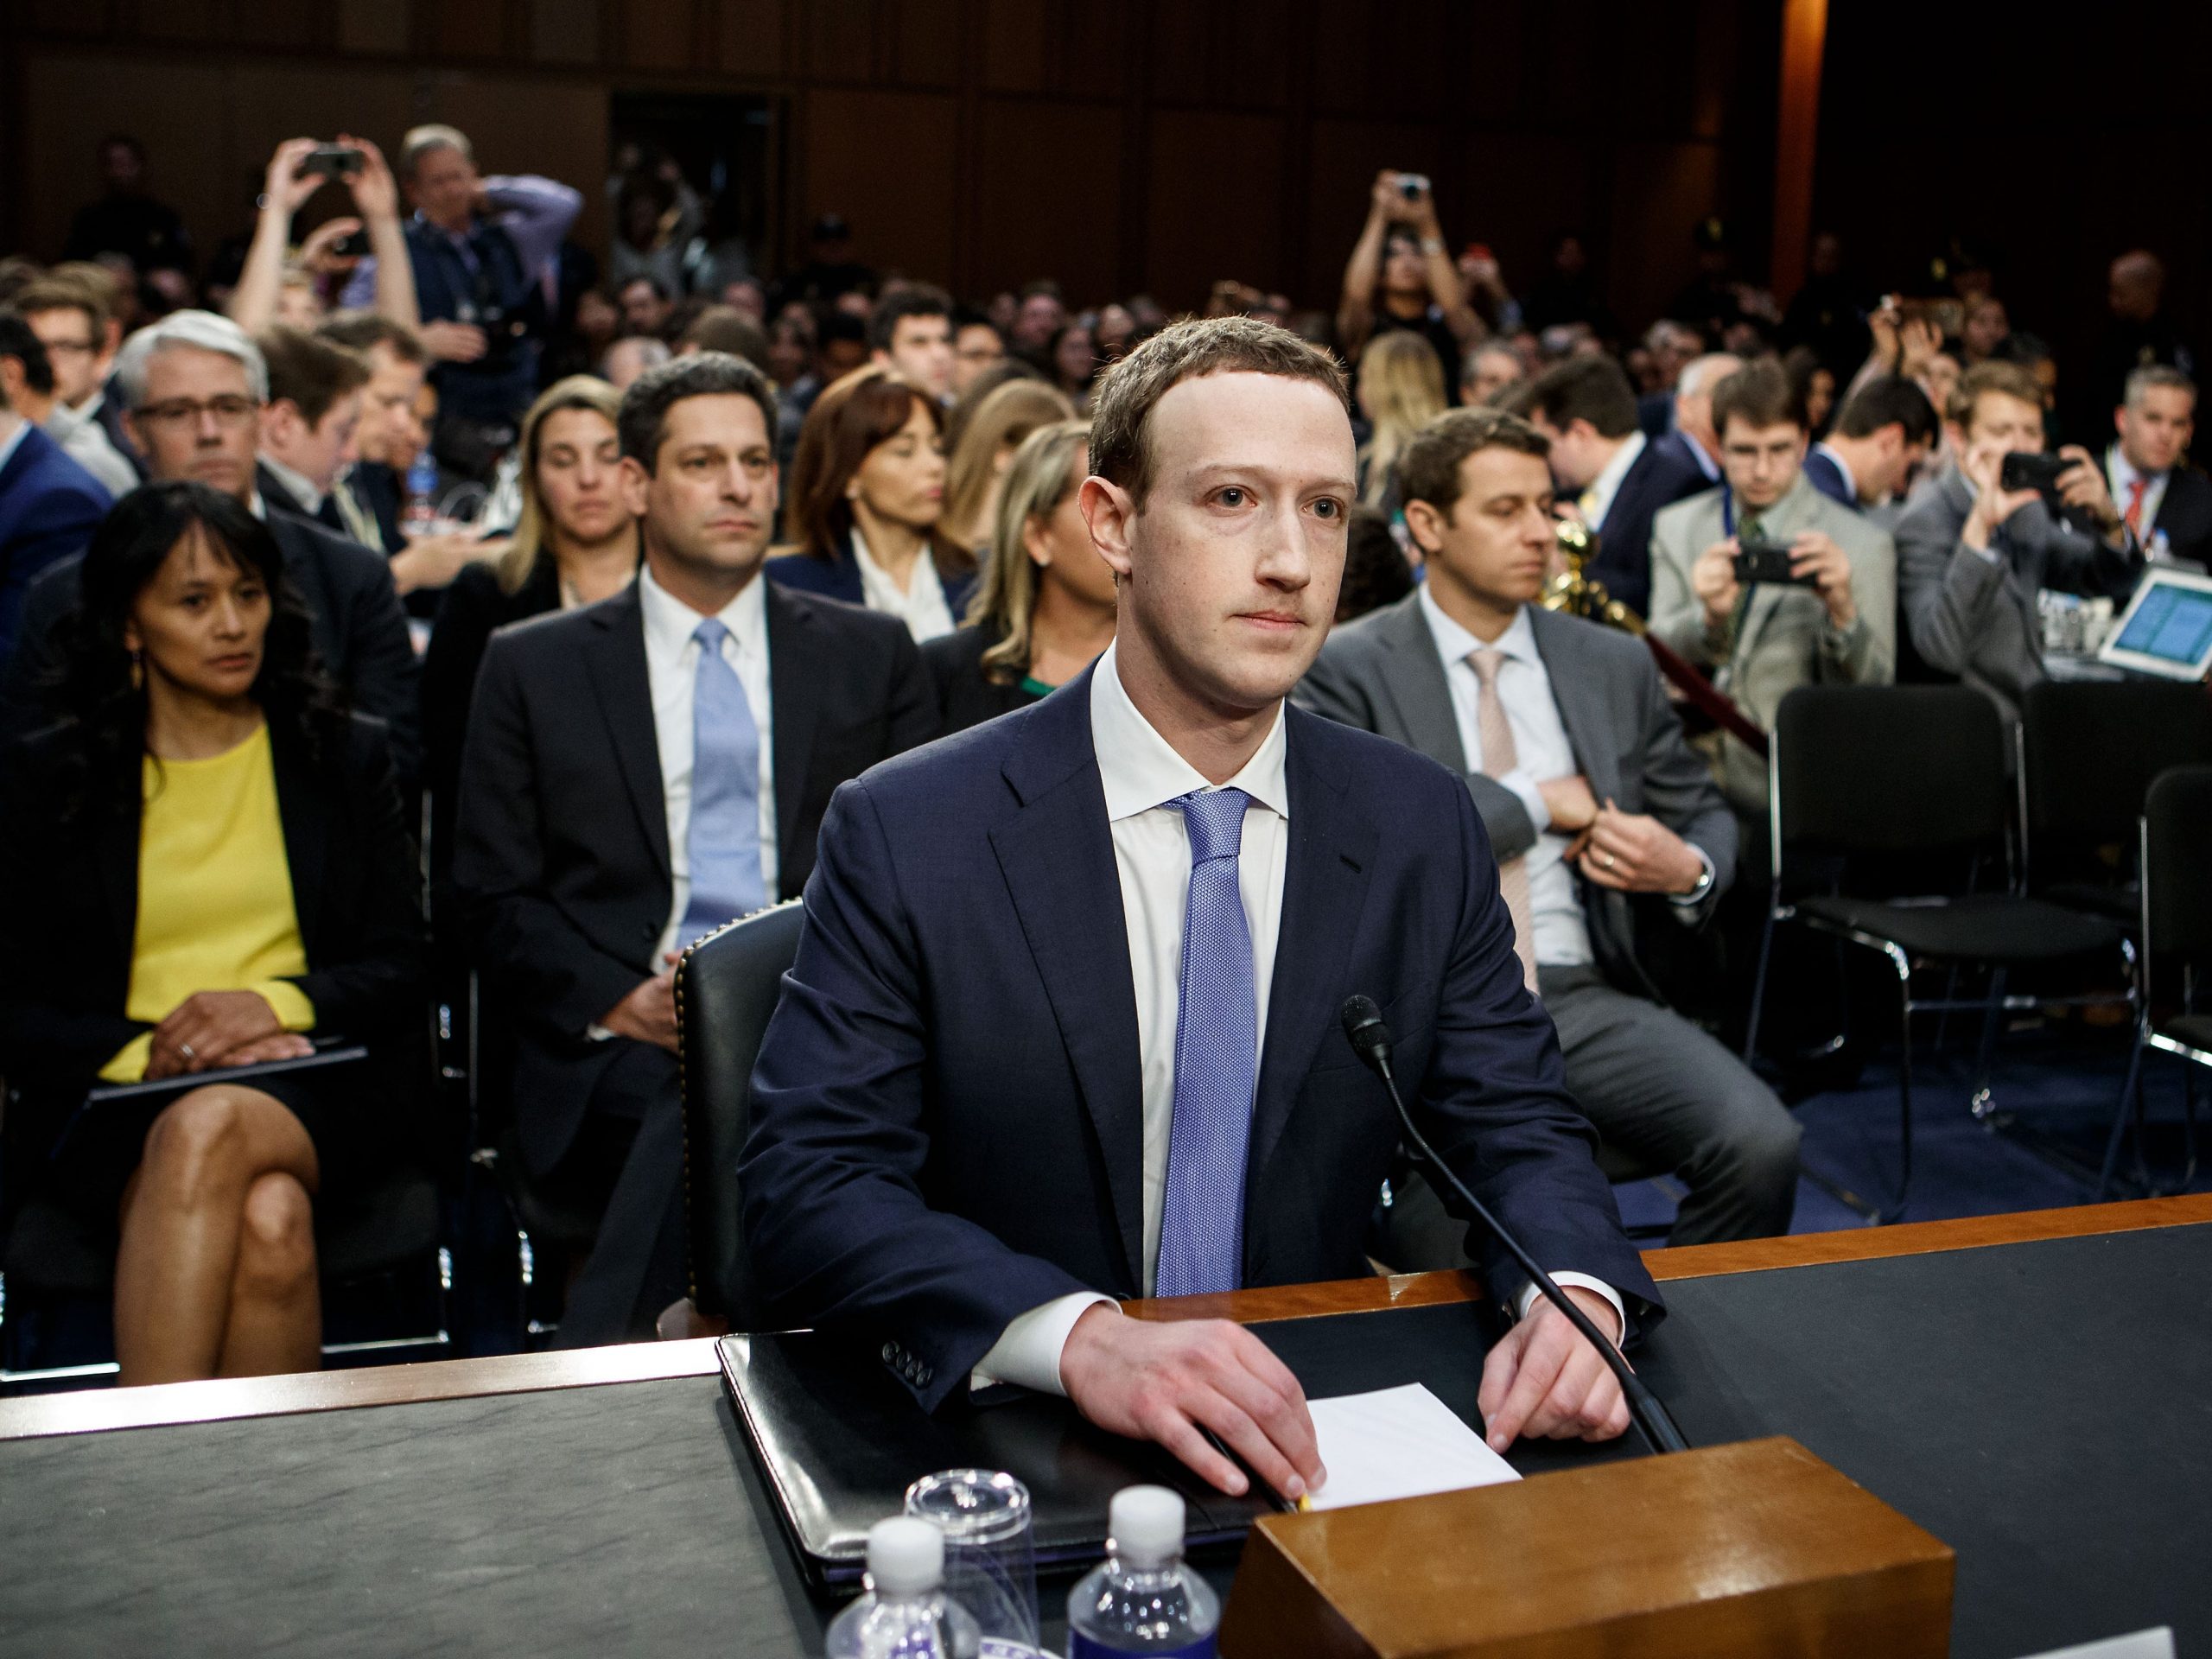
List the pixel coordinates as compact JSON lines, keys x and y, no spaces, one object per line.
{"x":643,"y":421}
{"x":1123,"y":403}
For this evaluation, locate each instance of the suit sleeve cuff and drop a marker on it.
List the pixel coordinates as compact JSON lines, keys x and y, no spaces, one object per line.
{"x":1532,"y":798}
{"x":1027,"y":1352}
{"x":1530,"y":1293}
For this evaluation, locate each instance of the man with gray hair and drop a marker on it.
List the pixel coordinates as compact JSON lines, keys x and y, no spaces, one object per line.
{"x":1692,"y":435}
{"x":192,"y":386}
{"x":485,"y":253}
{"x":2165,"y":503}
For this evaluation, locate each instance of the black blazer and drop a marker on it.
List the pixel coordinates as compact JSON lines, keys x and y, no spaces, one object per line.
{"x":69,"y":914}
{"x":839,"y":578}
{"x":948,"y":1110}
{"x":965,"y":695}
{"x":1664,"y":474}
{"x":2185,"y":515}
{"x":359,"y":631}
{"x":561,"y":857}
{"x":473,"y":608}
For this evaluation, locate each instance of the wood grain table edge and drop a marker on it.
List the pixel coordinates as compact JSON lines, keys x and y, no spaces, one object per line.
{"x":39,"y":1415}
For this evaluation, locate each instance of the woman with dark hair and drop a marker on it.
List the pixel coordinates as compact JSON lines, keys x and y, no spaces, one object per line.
{"x":211,"y":870}
{"x":866,"y":498}
{"x":1045,"y":608}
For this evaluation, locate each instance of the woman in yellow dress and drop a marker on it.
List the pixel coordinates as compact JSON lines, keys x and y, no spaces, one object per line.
{"x":207,"y":868}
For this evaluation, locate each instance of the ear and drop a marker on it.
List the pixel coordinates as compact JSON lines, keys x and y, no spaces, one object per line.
{"x":1426,"y":525}
{"x":138,"y":438}
{"x":1033,"y":543}
{"x":1110,"y":514}
{"x":279,"y":416}
{"x":635,"y":484}
{"x":133,"y":641}
{"x":2120,"y":418}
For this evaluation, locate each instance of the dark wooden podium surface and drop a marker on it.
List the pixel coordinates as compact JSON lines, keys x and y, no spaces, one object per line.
{"x":395,"y":1493}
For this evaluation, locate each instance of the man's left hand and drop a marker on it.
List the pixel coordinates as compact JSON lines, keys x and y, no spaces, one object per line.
{"x":1813,"y":553}
{"x":1544,"y":1380}
{"x":1633,"y":852}
{"x":2083,"y":486}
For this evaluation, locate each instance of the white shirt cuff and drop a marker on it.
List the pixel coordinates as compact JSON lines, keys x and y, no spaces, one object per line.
{"x":1698,"y":894}
{"x":1530,"y":1293}
{"x":1027,"y":1352}
{"x":1987,"y":554}
{"x":1524,"y":789}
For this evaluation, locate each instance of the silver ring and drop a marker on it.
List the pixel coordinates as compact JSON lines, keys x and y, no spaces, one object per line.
{"x":185,"y":1049}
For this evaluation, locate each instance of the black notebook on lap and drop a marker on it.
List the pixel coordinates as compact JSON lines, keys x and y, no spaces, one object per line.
{"x":838,"y":1441}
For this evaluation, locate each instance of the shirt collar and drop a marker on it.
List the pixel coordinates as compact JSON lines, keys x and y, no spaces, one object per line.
{"x":1850,"y":481}
{"x":302,"y":488}
{"x":1455,"y":645}
{"x":2124,"y":472}
{"x":1140,"y":770}
{"x":1701,"y":455}
{"x":670,"y":622}
{"x":9,"y":444}
{"x":1607,"y":484}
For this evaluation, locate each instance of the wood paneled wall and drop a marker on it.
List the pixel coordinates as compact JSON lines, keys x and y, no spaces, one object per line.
{"x":1140,"y":144}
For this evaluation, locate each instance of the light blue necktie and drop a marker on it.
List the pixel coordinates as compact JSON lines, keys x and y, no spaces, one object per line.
{"x":724,"y":839}
{"x":1217,"y":1059}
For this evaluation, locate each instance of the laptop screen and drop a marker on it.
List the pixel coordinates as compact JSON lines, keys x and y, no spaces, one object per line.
{"x":2173,"y":623}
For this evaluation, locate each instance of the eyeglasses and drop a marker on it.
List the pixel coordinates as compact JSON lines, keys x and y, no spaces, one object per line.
{"x":232,"y":411}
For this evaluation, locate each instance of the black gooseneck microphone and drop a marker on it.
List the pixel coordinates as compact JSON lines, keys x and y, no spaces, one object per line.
{"x":1371,"y":1040}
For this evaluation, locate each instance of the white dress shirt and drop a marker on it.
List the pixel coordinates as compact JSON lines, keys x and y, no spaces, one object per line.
{"x":2120,"y":475}
{"x":1699,"y":454}
{"x":12,"y":428}
{"x":672,"y":668}
{"x":1597,"y":500}
{"x":1140,"y":773}
{"x":920,"y":605}
{"x":1541,"y":750}
{"x":302,"y":487}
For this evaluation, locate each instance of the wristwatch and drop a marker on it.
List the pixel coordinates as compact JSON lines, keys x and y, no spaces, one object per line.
{"x":1696,"y":894}
{"x":1432,"y":245}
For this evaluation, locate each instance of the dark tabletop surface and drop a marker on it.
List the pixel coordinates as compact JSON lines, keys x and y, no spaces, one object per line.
{"x":2044,"y":1407}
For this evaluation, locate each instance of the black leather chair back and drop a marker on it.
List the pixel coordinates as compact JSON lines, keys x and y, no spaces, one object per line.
{"x":726,"y":989}
{"x":2177,"y":873}
{"x":2091,"y":749}
{"x":1889,"y":769}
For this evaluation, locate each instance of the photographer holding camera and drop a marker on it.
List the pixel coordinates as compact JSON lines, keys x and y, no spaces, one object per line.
{"x":483,"y":250}
{"x":1974,"y":555}
{"x":299,"y":168}
{"x":1400,"y":275}
{"x":1767,"y":583}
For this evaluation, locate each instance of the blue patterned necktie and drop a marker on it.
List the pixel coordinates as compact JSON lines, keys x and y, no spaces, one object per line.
{"x":724,"y":839}
{"x":1217,"y":1062}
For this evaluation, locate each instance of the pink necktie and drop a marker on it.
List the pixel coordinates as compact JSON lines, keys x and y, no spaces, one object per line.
{"x":1495,"y":733}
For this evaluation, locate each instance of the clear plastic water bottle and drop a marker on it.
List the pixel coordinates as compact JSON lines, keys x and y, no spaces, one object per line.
{"x":421,"y":512}
{"x":1142,"y":1599}
{"x":905,"y":1613}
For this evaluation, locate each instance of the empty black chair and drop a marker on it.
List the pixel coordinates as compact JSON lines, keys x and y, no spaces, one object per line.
{"x":727,"y":986}
{"x":2088,"y":751}
{"x":2176,"y":924}
{"x":1886,"y":772}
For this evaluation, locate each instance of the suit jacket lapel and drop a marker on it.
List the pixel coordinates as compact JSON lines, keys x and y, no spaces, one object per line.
{"x":1582,"y":708}
{"x":1324,"y":887}
{"x":616,"y":660}
{"x":797,"y":667}
{"x":1058,"y":859}
{"x":1413,"y":680}
{"x":304,"y":812}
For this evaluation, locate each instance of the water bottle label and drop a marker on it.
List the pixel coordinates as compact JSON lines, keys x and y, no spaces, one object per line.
{"x":1082,"y":1647}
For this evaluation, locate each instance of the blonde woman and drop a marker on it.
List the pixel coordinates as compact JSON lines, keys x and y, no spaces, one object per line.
{"x":575,"y":544}
{"x":1043,"y":607}
{"x":1401,"y":389}
{"x":1006,"y":416}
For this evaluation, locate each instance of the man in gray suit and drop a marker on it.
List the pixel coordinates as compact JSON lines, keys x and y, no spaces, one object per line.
{"x":1973,"y":555}
{"x":1761,"y":641}
{"x":1592,"y":799}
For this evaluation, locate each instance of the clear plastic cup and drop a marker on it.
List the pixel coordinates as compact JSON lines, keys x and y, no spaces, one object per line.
{"x":990,"y":1561}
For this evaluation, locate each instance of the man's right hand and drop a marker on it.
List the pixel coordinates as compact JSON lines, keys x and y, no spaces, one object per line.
{"x":1167,"y":1382}
{"x":453,"y":342}
{"x":1713,"y":579}
{"x":282,"y":186}
{"x":1984,"y":465}
{"x":648,"y":1014}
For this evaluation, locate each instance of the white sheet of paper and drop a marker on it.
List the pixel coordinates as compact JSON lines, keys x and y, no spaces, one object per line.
{"x":2144,"y":1644}
{"x":1397,"y":1443}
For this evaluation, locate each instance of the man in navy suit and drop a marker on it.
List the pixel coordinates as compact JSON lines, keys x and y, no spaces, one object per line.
{"x":50,"y":507}
{"x":1617,"y":478}
{"x":1064,"y":1022}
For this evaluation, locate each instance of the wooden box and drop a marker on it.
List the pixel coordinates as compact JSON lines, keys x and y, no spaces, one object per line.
{"x":1758,"y":1548}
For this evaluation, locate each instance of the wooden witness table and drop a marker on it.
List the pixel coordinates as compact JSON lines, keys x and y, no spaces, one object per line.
{"x":2034,"y":1389}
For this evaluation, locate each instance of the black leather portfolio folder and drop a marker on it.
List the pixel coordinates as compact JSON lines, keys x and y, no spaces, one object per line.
{"x":838,"y":1442}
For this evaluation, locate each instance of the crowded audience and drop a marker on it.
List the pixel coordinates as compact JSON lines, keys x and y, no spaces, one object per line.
{"x":617,"y":581}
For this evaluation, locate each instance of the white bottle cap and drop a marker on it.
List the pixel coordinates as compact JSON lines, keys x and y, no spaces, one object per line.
{"x":1147,"y":1524}
{"x":906,"y":1556}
